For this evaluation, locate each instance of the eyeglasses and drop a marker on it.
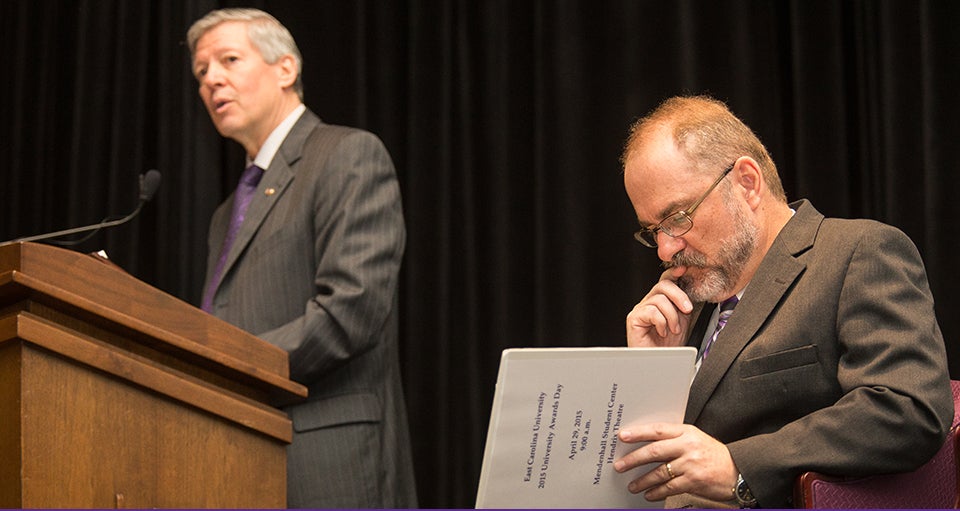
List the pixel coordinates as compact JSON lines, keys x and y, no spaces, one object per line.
{"x":679,"y":223}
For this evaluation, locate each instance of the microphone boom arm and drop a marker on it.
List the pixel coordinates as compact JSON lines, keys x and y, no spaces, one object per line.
{"x":149,"y":182}
{"x":77,"y":230}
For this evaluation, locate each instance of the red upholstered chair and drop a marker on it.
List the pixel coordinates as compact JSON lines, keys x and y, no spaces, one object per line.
{"x":936,"y":484}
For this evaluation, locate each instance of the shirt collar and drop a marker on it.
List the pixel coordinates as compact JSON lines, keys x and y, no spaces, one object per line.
{"x":272,"y":144}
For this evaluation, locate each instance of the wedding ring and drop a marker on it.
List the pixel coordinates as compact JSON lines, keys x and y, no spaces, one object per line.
{"x":670,"y":471}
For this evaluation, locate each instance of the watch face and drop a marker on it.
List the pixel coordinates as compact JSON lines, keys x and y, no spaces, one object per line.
{"x":743,"y":493}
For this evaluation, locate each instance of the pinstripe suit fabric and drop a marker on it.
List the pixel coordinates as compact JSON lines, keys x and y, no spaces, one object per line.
{"x":314,"y":270}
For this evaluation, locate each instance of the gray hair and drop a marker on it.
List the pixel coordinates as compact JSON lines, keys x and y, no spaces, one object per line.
{"x":266,"y":34}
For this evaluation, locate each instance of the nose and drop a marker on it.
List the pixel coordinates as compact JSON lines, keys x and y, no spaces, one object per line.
{"x":668,"y":246}
{"x":213,"y":75}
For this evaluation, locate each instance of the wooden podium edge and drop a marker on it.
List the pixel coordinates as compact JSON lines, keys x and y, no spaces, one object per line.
{"x":146,"y":374}
{"x":285,"y":391}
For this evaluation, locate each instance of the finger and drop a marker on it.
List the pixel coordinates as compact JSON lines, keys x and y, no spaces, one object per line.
{"x":667,"y":285}
{"x":658,"y":311}
{"x":658,"y":482}
{"x":670,"y":473}
{"x":645,"y":316}
{"x":668,"y":308}
{"x":652,"y":432}
{"x":673,"y":272}
{"x":663,"y":490}
{"x":662,"y":446}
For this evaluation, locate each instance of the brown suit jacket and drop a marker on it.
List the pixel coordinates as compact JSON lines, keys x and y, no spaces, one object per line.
{"x":832,"y":361}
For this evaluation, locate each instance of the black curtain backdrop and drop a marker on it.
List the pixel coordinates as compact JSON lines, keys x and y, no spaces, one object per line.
{"x":505,"y":119}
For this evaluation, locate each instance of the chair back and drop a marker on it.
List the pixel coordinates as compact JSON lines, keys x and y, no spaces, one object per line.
{"x":934,"y":485}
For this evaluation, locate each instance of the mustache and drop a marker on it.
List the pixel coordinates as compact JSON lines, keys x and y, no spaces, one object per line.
{"x":683,"y":258}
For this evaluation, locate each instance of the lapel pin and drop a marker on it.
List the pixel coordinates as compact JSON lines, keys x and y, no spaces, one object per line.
{"x":269,"y":191}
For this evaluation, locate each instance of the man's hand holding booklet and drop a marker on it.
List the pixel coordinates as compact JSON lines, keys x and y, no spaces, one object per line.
{"x":556,"y":413}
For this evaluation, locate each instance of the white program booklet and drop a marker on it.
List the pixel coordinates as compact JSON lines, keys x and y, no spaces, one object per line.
{"x":556,"y":413}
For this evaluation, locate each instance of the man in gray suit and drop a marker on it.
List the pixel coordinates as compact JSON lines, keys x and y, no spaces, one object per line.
{"x":306,"y":255}
{"x":828,"y":357}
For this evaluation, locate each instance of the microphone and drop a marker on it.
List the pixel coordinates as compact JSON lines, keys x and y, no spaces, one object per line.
{"x":149,"y":182}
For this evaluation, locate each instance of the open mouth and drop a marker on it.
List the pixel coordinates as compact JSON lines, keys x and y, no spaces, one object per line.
{"x":220,"y":104}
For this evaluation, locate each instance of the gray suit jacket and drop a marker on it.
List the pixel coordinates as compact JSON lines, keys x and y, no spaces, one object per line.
{"x":314,"y":270}
{"x":832,"y":361}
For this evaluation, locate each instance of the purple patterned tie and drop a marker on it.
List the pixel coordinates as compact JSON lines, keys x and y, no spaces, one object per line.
{"x":726,"y":310}
{"x":241,"y":201}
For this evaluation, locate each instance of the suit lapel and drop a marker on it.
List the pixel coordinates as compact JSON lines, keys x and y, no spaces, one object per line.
{"x":276,"y":179}
{"x":777,"y":273}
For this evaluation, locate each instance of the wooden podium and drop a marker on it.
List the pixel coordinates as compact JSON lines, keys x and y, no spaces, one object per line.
{"x":114,"y":394}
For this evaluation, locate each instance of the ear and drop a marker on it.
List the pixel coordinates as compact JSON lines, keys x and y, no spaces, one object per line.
{"x":287,"y":71}
{"x":749,"y":177}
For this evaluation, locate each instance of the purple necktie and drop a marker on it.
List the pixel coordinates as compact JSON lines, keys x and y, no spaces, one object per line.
{"x":726,"y":310}
{"x":241,"y":201}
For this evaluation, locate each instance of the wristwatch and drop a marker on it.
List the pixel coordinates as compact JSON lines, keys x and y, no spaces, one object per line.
{"x":743,"y":494}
